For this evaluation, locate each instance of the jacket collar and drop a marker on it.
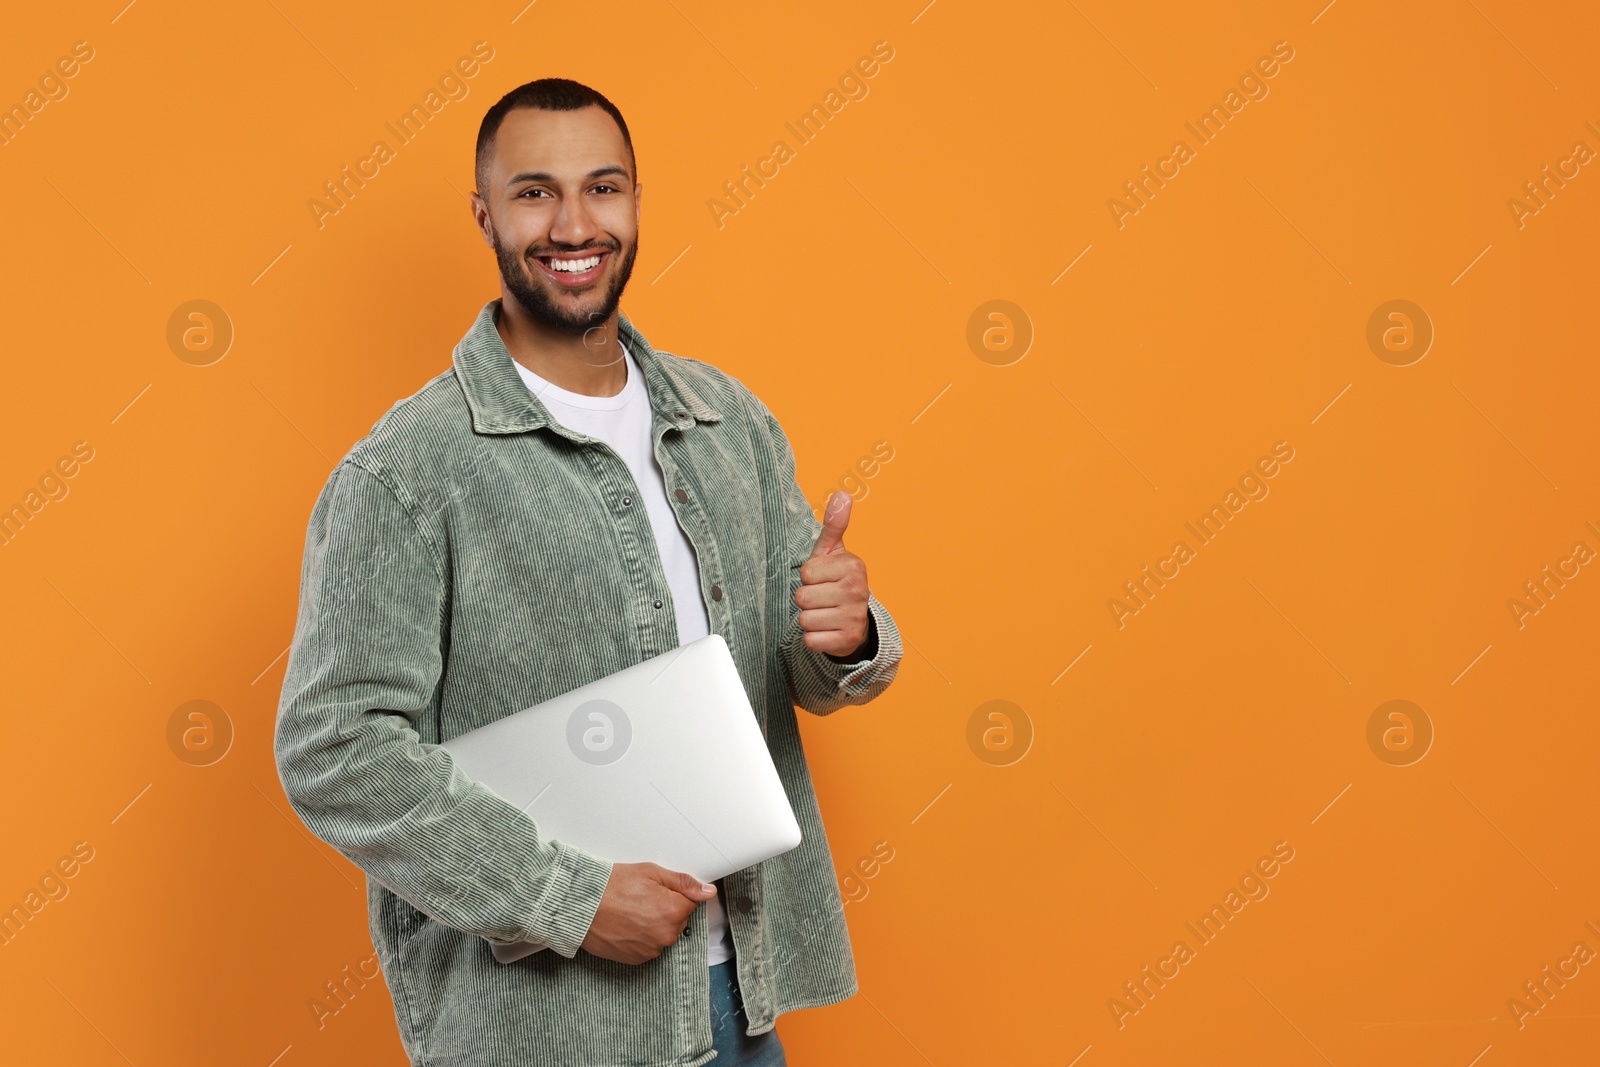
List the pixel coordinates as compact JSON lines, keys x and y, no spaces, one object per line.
{"x":502,"y":403}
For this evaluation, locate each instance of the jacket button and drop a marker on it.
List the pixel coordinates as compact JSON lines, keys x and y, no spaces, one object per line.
{"x":744,"y":904}
{"x":627,"y":501}
{"x":716,"y":592}
{"x":658,"y":603}
{"x":681,"y":495}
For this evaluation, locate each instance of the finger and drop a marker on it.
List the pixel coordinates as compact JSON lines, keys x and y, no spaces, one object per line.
{"x":842,"y":593}
{"x":831,"y":567}
{"x":833,"y":642}
{"x":835,"y":517}
{"x":687,"y":884}
{"x":849,"y":591}
{"x":823,"y":620}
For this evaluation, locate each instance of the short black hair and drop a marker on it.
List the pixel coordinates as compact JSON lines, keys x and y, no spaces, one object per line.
{"x":546,"y":94}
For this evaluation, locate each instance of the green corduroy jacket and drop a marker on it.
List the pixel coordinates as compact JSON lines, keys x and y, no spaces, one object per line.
{"x":471,"y":557}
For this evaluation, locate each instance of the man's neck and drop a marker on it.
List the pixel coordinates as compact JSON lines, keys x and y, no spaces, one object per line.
{"x":590,"y":364}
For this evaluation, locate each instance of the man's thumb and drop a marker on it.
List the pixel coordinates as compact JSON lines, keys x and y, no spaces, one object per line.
{"x":835,"y":517}
{"x":690,"y":886}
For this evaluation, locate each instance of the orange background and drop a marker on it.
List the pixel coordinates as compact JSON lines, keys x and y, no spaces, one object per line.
{"x":1229,"y":313}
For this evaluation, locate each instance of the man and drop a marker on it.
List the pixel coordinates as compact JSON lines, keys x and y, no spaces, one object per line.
{"x":563,"y":503}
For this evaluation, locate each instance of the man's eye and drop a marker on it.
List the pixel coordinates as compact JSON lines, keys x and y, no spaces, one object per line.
{"x":605,"y":188}
{"x":525,"y":192}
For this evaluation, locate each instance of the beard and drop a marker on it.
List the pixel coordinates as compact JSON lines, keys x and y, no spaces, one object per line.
{"x":535,"y":298}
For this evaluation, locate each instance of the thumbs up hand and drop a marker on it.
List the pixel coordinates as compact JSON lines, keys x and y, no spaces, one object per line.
{"x":832,"y":596}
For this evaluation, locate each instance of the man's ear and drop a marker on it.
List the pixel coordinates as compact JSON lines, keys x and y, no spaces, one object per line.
{"x":480,"y":217}
{"x":638,"y":201}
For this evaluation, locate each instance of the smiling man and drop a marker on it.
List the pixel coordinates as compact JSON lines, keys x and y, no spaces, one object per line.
{"x":564,"y":502}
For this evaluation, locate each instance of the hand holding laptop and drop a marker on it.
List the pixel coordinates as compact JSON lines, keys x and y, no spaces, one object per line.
{"x":643,"y":911}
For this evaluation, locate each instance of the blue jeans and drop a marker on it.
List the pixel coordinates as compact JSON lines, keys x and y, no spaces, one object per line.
{"x":728,"y":1022}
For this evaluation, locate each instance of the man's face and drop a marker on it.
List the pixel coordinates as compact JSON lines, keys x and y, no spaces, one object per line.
{"x":560,"y":193}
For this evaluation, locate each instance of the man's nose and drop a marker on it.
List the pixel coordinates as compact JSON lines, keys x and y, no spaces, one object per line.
{"x":573,"y":225}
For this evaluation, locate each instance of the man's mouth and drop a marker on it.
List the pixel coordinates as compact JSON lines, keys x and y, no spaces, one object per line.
{"x":575,"y":271}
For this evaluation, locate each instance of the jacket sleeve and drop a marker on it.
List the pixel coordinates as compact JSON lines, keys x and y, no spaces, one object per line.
{"x":365,"y":662}
{"x":818,"y":682}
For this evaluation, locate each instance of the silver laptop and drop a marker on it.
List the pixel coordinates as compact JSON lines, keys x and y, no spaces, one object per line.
{"x":663,"y":761}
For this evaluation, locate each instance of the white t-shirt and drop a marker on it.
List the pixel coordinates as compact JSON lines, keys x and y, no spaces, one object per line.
{"x":623,"y":422}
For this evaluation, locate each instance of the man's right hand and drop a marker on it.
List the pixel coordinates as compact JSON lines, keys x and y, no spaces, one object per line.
{"x":643,"y":911}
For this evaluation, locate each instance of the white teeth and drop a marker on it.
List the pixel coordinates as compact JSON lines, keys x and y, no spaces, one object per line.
{"x":574,"y":266}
